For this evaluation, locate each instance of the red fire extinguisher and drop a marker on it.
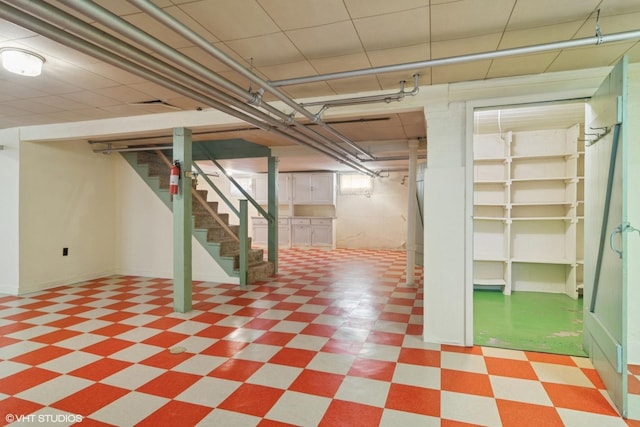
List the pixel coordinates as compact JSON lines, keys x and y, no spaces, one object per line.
{"x":174,"y":178}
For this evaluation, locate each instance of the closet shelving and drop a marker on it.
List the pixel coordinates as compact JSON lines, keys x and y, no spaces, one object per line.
{"x":528,"y":211}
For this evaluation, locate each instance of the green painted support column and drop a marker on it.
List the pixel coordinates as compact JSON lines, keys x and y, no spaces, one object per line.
{"x":272,"y":208}
{"x":182,"y":273}
{"x":244,"y":242}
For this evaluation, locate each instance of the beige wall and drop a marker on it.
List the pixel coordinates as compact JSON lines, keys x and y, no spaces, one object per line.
{"x":67,"y":199}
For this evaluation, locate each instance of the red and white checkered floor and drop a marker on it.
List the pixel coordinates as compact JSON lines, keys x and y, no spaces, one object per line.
{"x":334,"y":340}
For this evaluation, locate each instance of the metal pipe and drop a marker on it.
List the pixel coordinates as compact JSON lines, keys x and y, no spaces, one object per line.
{"x":41,"y":27}
{"x":397,"y":96}
{"x":144,"y":39}
{"x":524,"y":50}
{"x":159,"y":14}
{"x":107,"y":18}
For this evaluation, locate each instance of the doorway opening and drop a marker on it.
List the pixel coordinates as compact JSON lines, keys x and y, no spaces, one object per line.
{"x":529,"y":227}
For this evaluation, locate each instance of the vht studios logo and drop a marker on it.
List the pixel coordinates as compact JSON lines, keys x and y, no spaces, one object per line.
{"x":43,"y":418}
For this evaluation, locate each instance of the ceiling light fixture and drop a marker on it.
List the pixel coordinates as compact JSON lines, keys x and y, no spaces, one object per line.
{"x":20,"y":61}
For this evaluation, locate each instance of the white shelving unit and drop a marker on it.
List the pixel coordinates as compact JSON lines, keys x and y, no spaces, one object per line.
{"x":528,"y":211}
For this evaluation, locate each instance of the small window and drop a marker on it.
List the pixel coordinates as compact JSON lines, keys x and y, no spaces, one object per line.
{"x":355,"y":184}
{"x":245,"y":182}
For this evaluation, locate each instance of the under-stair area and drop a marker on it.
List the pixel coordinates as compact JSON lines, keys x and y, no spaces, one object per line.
{"x":211,"y":229}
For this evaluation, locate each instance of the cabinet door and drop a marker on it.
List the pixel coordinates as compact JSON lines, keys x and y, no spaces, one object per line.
{"x":301,"y":235}
{"x":323,"y":188}
{"x":301,"y":188}
{"x":262,"y":188}
{"x":321,"y":235}
{"x":260,"y":234}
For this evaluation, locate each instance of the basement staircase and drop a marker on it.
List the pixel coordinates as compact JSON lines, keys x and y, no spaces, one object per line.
{"x":210,"y":228}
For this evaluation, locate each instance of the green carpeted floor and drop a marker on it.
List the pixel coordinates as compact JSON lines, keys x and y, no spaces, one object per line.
{"x":535,"y":321}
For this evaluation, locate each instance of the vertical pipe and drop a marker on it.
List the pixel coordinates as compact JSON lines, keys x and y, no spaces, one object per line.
{"x":182,"y":272}
{"x":244,"y":243}
{"x":411,"y":214}
{"x":272,"y":208}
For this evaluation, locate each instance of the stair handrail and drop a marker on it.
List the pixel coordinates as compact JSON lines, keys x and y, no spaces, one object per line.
{"x":216,"y":189}
{"x":266,"y":215}
{"x":203,"y":202}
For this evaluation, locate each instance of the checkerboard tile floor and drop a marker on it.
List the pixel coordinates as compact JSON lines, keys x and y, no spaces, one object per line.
{"x":333,"y":340}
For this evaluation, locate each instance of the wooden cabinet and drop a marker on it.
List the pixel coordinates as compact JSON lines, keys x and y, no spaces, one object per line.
{"x":312,"y":232}
{"x":313,"y":188}
{"x":528,"y":211}
{"x":261,"y":188}
{"x":261,"y":232}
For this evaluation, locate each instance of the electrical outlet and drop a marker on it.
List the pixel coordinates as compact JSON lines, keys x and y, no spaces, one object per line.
{"x":65,"y":251}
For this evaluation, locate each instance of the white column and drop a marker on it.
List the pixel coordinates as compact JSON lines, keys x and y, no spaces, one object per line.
{"x":411,"y":212}
{"x":445,"y":242}
{"x":9,"y":214}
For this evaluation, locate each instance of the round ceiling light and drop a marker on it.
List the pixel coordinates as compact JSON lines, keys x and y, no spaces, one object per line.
{"x":23,"y":62}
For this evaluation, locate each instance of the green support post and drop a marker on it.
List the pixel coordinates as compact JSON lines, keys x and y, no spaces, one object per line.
{"x":244,"y":242}
{"x":272,"y":208}
{"x":182,"y":272}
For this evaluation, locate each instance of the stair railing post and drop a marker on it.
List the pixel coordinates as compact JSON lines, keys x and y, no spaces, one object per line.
{"x":244,"y":242}
{"x":272,"y":208}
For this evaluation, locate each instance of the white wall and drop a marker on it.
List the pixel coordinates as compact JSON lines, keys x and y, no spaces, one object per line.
{"x":144,"y":230}
{"x":384,"y":212}
{"x":9,"y":211}
{"x":67,"y":196}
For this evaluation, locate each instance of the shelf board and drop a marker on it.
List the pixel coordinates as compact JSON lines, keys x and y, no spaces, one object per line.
{"x":488,"y":218}
{"x":538,"y":179}
{"x":490,"y":204}
{"x":489,"y":259}
{"x":542,"y":156}
{"x":491,"y":181}
{"x":541,"y":218}
{"x":489,"y":282}
{"x":565,"y":203}
{"x":489,"y":159}
{"x":542,"y":261}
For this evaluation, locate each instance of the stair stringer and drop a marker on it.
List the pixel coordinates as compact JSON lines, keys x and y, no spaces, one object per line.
{"x":200,"y":234}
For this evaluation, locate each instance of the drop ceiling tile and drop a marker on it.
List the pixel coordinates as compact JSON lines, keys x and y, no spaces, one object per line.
{"x":611,"y":24}
{"x":634,"y":53}
{"x":294,"y":14}
{"x":33,"y":106}
{"x":204,"y":58}
{"x":149,"y":25}
{"x":540,"y":35}
{"x":616,"y":7}
{"x":267,"y":50}
{"x":589,"y":57}
{"x":485,"y":43}
{"x":469,"y":18}
{"x":336,"y":39}
{"x":341,"y":63}
{"x":308,"y":90}
{"x":11,"y":86}
{"x":355,"y":84}
{"x":364,"y":8}
{"x":391,"y":81}
{"x":462,"y":72}
{"x":124,"y":94}
{"x":153,"y":91}
{"x":112,"y":73}
{"x":395,"y":29}
{"x":91,"y":99}
{"x":521,"y":65}
{"x":60,"y":102}
{"x":287,"y":71}
{"x":193,"y":25}
{"x":10,"y":31}
{"x":400,"y":55}
{"x":537,"y":13}
{"x":214,"y":15}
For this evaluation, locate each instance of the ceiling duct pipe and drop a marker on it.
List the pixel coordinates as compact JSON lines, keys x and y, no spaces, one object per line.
{"x":123,"y":27}
{"x":411,"y":66}
{"x":79,"y":27}
{"x":177,"y":26}
{"x":41,"y":27}
{"x":389,"y":97}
